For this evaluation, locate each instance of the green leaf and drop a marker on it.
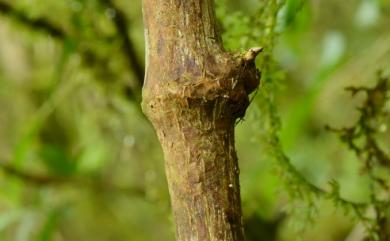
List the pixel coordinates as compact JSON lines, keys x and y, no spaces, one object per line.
{"x":50,"y":225}
{"x":57,"y":160}
{"x":368,"y":13}
{"x":8,"y":217}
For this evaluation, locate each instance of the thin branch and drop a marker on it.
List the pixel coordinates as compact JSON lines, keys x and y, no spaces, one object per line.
{"x":40,"y":180}
{"x":30,"y":178}
{"x":39,"y":23}
{"x":122,"y":26}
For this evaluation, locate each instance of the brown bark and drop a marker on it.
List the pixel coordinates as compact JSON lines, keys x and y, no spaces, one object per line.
{"x":194,"y":91}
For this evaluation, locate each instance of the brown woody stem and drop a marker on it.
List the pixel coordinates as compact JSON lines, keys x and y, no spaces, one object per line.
{"x":193,"y":93}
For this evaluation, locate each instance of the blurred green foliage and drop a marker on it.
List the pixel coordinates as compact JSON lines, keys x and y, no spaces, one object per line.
{"x":78,"y":160}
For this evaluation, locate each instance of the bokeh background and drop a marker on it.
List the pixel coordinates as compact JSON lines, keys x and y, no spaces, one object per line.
{"x":79,"y":161}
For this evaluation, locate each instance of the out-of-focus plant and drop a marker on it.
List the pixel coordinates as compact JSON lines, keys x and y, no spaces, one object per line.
{"x":264,"y":27}
{"x":361,"y":139}
{"x":80,"y":144}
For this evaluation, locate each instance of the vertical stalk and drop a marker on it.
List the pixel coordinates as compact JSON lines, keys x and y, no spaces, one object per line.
{"x":193,"y":93}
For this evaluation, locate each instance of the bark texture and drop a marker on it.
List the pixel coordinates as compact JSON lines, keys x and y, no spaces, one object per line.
{"x":194,"y":91}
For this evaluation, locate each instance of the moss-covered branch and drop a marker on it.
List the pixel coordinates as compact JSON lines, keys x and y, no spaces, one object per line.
{"x":89,"y":55}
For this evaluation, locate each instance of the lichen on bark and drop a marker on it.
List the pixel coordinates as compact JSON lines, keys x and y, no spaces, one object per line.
{"x":193,"y":94}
